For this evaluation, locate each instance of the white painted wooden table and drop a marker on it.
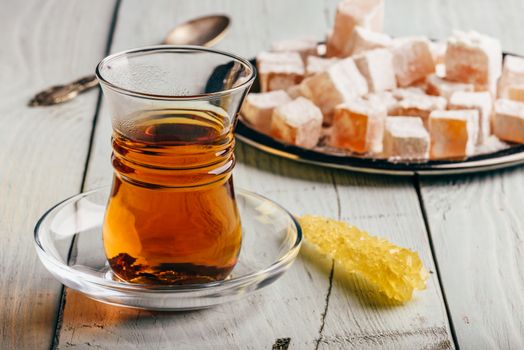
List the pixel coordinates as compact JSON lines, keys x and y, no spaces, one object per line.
{"x":469,"y":230}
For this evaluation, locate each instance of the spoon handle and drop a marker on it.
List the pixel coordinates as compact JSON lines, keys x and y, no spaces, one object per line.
{"x":63,"y":93}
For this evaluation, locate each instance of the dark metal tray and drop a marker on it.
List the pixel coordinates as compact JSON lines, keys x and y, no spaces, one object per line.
{"x":508,"y":157}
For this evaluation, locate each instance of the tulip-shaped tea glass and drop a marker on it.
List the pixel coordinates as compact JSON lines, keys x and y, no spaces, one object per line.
{"x":172,"y":216}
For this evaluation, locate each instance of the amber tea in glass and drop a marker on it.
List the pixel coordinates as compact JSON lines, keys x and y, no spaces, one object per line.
{"x":171,"y":217}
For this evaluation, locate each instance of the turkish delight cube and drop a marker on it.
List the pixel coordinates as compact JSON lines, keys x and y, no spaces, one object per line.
{"x":304,"y":46}
{"x":482,"y":102}
{"x":363,"y":39}
{"x":258,"y":108}
{"x":279,"y":70}
{"x":339,"y":83}
{"x":453,"y":134}
{"x":405,"y":138}
{"x":377,"y":67}
{"x":508,"y":120}
{"x":441,"y":87}
{"x":315,"y":64}
{"x":473,"y":58}
{"x":351,"y":13}
{"x":412,"y":60}
{"x":298,"y":122}
{"x":358,"y":126}
{"x":512,"y":74}
{"x":418,"y":106}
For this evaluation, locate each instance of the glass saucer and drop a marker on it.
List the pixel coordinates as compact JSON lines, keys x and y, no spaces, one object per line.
{"x":271,"y":241}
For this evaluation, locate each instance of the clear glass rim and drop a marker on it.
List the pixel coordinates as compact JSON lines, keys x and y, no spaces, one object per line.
{"x":174,"y":48}
{"x":272,"y":269}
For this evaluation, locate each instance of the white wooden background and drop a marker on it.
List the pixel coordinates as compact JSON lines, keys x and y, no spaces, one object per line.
{"x":471,"y":227}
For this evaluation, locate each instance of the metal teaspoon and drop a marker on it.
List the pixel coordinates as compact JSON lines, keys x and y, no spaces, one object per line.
{"x":202,"y":31}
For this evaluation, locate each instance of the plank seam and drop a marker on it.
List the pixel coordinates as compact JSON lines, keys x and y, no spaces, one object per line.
{"x":63,"y":292}
{"x":332,"y":272}
{"x":339,"y":207}
{"x":416,"y":181}
{"x":99,"y":100}
{"x":324,"y":314}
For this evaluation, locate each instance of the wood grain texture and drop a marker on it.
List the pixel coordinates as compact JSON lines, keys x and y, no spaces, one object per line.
{"x":357,"y":320}
{"x":294,"y":306}
{"x":476,"y":222}
{"x":477,"y":227}
{"x":253,"y":323}
{"x":43,"y":150}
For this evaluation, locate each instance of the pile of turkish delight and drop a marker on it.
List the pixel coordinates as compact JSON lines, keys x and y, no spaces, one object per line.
{"x":407,"y":98}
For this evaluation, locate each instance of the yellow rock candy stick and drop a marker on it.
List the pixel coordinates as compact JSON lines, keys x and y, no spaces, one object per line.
{"x":393,"y":270}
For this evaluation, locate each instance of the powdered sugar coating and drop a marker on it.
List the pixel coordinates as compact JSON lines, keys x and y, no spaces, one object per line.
{"x":358,"y":126}
{"x":339,"y":83}
{"x":257,"y":108}
{"x":512,"y":74}
{"x":508,"y":121}
{"x":453,"y":133}
{"x":480,"y":101}
{"x":304,"y":46}
{"x":419,"y":106}
{"x":382,"y":98}
{"x":299,"y":111}
{"x":362,"y":106}
{"x":405,"y":139}
{"x":407,"y":92}
{"x":412,"y":60}
{"x":377,"y":67}
{"x":351,"y":13}
{"x":441,"y":87}
{"x":405,"y":126}
{"x":474,"y":58}
{"x":438,"y":51}
{"x":363,"y":39}
{"x":490,"y":145}
{"x":315,"y":64}
{"x":279,"y":70}
{"x":509,"y":107}
{"x":298,"y":122}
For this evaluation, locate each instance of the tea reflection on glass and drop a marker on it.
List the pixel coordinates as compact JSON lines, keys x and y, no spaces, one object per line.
{"x":172,"y":217}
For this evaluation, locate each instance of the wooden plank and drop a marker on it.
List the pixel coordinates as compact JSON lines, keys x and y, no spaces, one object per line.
{"x":387,"y":207}
{"x":43,"y":149}
{"x":299,"y":298}
{"x":476,"y":222}
{"x":477,"y":228}
{"x":393,"y":212}
{"x":260,"y":317}
{"x":252,"y":323}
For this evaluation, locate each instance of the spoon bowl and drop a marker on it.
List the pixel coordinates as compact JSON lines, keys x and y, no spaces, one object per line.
{"x":202,"y":31}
